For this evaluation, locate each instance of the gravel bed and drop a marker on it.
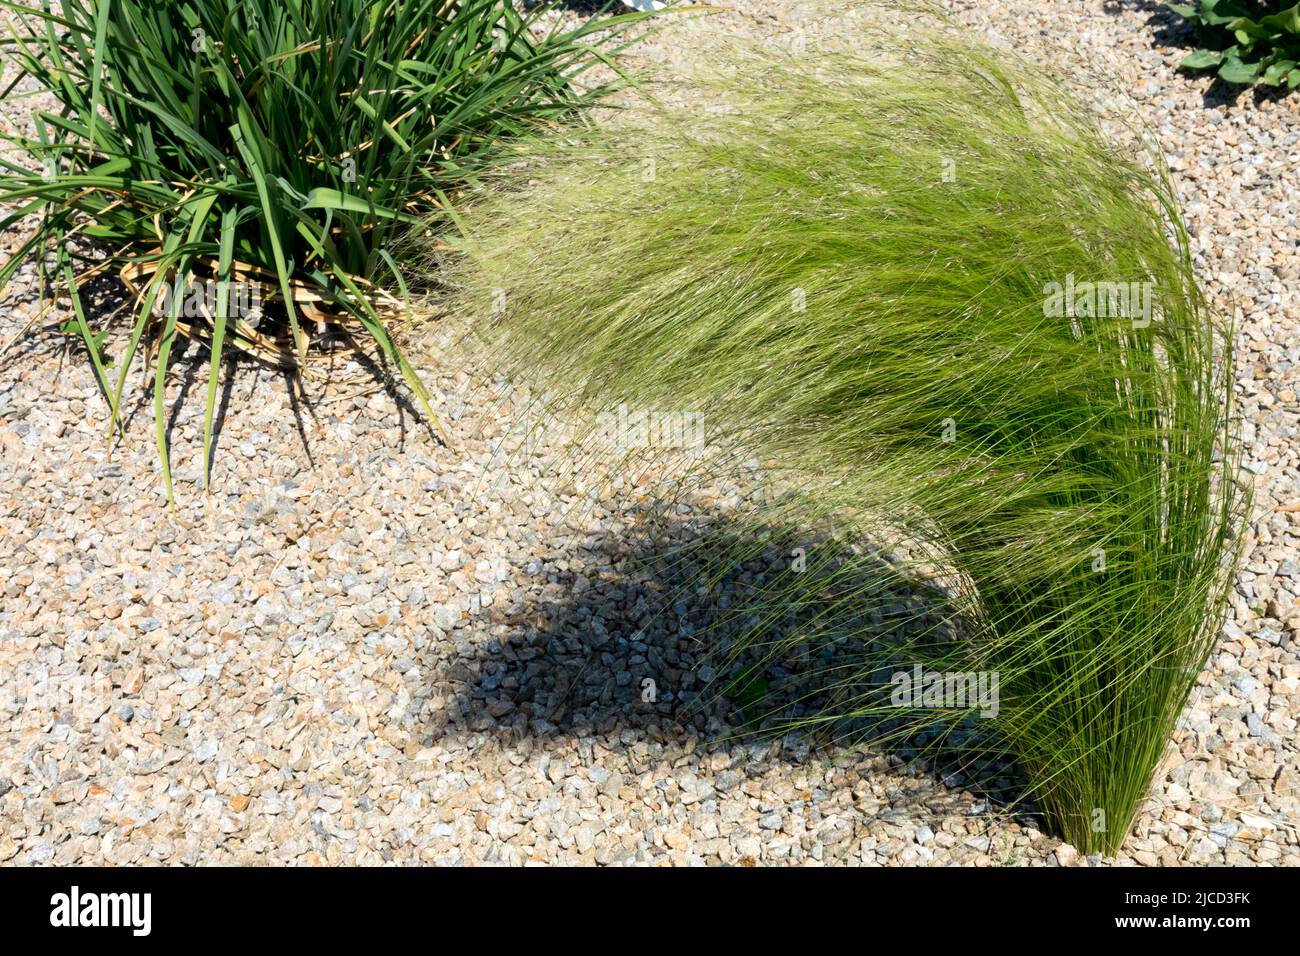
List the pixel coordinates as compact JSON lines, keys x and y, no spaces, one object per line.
{"x":363,"y":647}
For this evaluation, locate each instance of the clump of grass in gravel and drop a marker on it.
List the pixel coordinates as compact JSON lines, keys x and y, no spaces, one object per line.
{"x":848,"y":270}
{"x":286,"y":144}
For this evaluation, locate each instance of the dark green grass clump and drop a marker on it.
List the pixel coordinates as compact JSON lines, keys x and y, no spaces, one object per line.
{"x":857,"y":269}
{"x":284,"y":143}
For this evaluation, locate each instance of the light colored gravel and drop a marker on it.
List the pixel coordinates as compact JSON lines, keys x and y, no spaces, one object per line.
{"x":366,"y":648}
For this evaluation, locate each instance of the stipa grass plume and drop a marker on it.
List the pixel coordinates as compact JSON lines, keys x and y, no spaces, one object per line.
{"x":961,"y":329}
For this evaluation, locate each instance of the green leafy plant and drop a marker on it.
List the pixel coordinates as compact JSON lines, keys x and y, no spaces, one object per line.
{"x":1246,"y":41}
{"x":283,"y":144}
{"x":883,"y":283}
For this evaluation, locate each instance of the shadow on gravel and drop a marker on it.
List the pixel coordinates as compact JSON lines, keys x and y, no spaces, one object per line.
{"x":1170,"y":30}
{"x":589,"y":7}
{"x":632,"y":645}
{"x":109,"y":305}
{"x":104,"y":299}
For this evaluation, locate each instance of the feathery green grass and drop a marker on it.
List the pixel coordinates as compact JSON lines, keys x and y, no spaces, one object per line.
{"x":285,"y":143}
{"x":849,"y":270}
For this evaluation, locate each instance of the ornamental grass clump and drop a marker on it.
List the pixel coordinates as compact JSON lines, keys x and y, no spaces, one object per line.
{"x":961,"y":331}
{"x":270,"y":151}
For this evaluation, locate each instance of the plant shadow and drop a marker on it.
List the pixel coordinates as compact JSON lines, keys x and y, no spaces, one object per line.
{"x":587,"y":7}
{"x":110,"y":306}
{"x":631,"y":635}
